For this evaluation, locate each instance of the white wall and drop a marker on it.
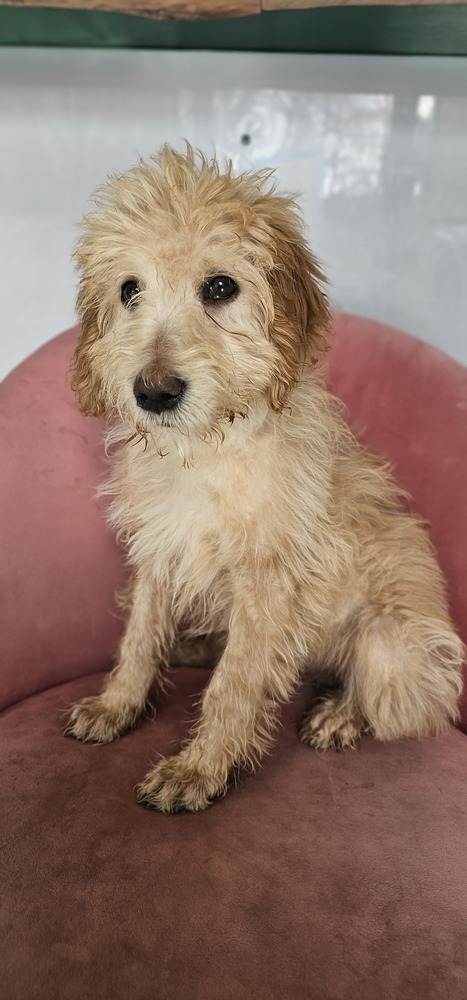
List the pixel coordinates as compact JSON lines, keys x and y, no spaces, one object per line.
{"x":377,"y":147}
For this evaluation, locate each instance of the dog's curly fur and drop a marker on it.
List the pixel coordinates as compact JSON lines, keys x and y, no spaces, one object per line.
{"x":249,"y":510}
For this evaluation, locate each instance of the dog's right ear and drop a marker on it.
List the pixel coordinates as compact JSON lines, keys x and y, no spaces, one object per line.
{"x":85,"y":381}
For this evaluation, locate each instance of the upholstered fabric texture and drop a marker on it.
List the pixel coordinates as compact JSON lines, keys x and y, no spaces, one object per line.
{"x":323,"y":876}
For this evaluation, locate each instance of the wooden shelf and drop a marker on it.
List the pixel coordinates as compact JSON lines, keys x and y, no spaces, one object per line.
{"x":307,"y":4}
{"x":197,"y":9}
{"x":170,"y":9}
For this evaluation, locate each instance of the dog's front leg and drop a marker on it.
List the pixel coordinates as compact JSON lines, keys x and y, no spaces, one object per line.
{"x":259,"y":669}
{"x":141,"y":660}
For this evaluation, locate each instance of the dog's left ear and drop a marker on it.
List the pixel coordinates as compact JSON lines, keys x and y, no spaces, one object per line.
{"x":301,"y":309}
{"x":85,"y":380}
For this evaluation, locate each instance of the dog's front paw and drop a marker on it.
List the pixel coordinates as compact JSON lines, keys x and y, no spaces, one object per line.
{"x":175,"y":785}
{"x":91,"y":721}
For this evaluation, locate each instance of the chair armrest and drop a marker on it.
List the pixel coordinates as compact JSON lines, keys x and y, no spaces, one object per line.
{"x":59,"y":563}
{"x":408,"y":402}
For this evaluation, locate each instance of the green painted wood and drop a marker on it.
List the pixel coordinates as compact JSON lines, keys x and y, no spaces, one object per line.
{"x":421,"y":30}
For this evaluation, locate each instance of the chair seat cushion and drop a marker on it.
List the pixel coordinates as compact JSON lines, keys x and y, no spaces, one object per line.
{"x":327,"y":876}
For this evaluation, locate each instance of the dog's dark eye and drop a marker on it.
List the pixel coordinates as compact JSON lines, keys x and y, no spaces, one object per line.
{"x":219,"y":288}
{"x":129,"y":290}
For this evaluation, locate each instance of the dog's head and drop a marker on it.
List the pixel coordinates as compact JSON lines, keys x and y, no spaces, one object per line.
{"x":198,"y":297}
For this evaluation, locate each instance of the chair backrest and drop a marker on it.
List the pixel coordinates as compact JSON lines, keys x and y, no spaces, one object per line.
{"x":60,"y":566}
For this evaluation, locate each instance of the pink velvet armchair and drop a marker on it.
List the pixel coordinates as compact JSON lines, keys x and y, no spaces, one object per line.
{"x":324,"y":876}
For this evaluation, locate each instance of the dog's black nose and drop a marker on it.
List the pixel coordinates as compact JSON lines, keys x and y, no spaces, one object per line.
{"x":158,"y":395}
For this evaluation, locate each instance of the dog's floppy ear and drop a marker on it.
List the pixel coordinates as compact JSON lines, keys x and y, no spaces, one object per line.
{"x":85,"y":381}
{"x":301,"y":309}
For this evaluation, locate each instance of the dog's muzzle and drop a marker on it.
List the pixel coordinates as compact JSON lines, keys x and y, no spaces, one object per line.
{"x":158,"y":396}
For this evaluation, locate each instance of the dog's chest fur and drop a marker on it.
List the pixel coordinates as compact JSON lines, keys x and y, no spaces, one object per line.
{"x":193,"y":525}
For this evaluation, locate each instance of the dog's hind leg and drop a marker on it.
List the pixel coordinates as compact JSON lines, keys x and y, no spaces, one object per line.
{"x":401,"y":678}
{"x":334,"y":721}
{"x":141,"y":661}
{"x":405,"y":674}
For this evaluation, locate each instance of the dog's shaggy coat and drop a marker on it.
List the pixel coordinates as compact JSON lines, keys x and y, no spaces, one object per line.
{"x":252,"y":517}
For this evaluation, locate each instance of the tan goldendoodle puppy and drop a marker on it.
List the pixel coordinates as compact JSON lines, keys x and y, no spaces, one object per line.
{"x":250,"y":513}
